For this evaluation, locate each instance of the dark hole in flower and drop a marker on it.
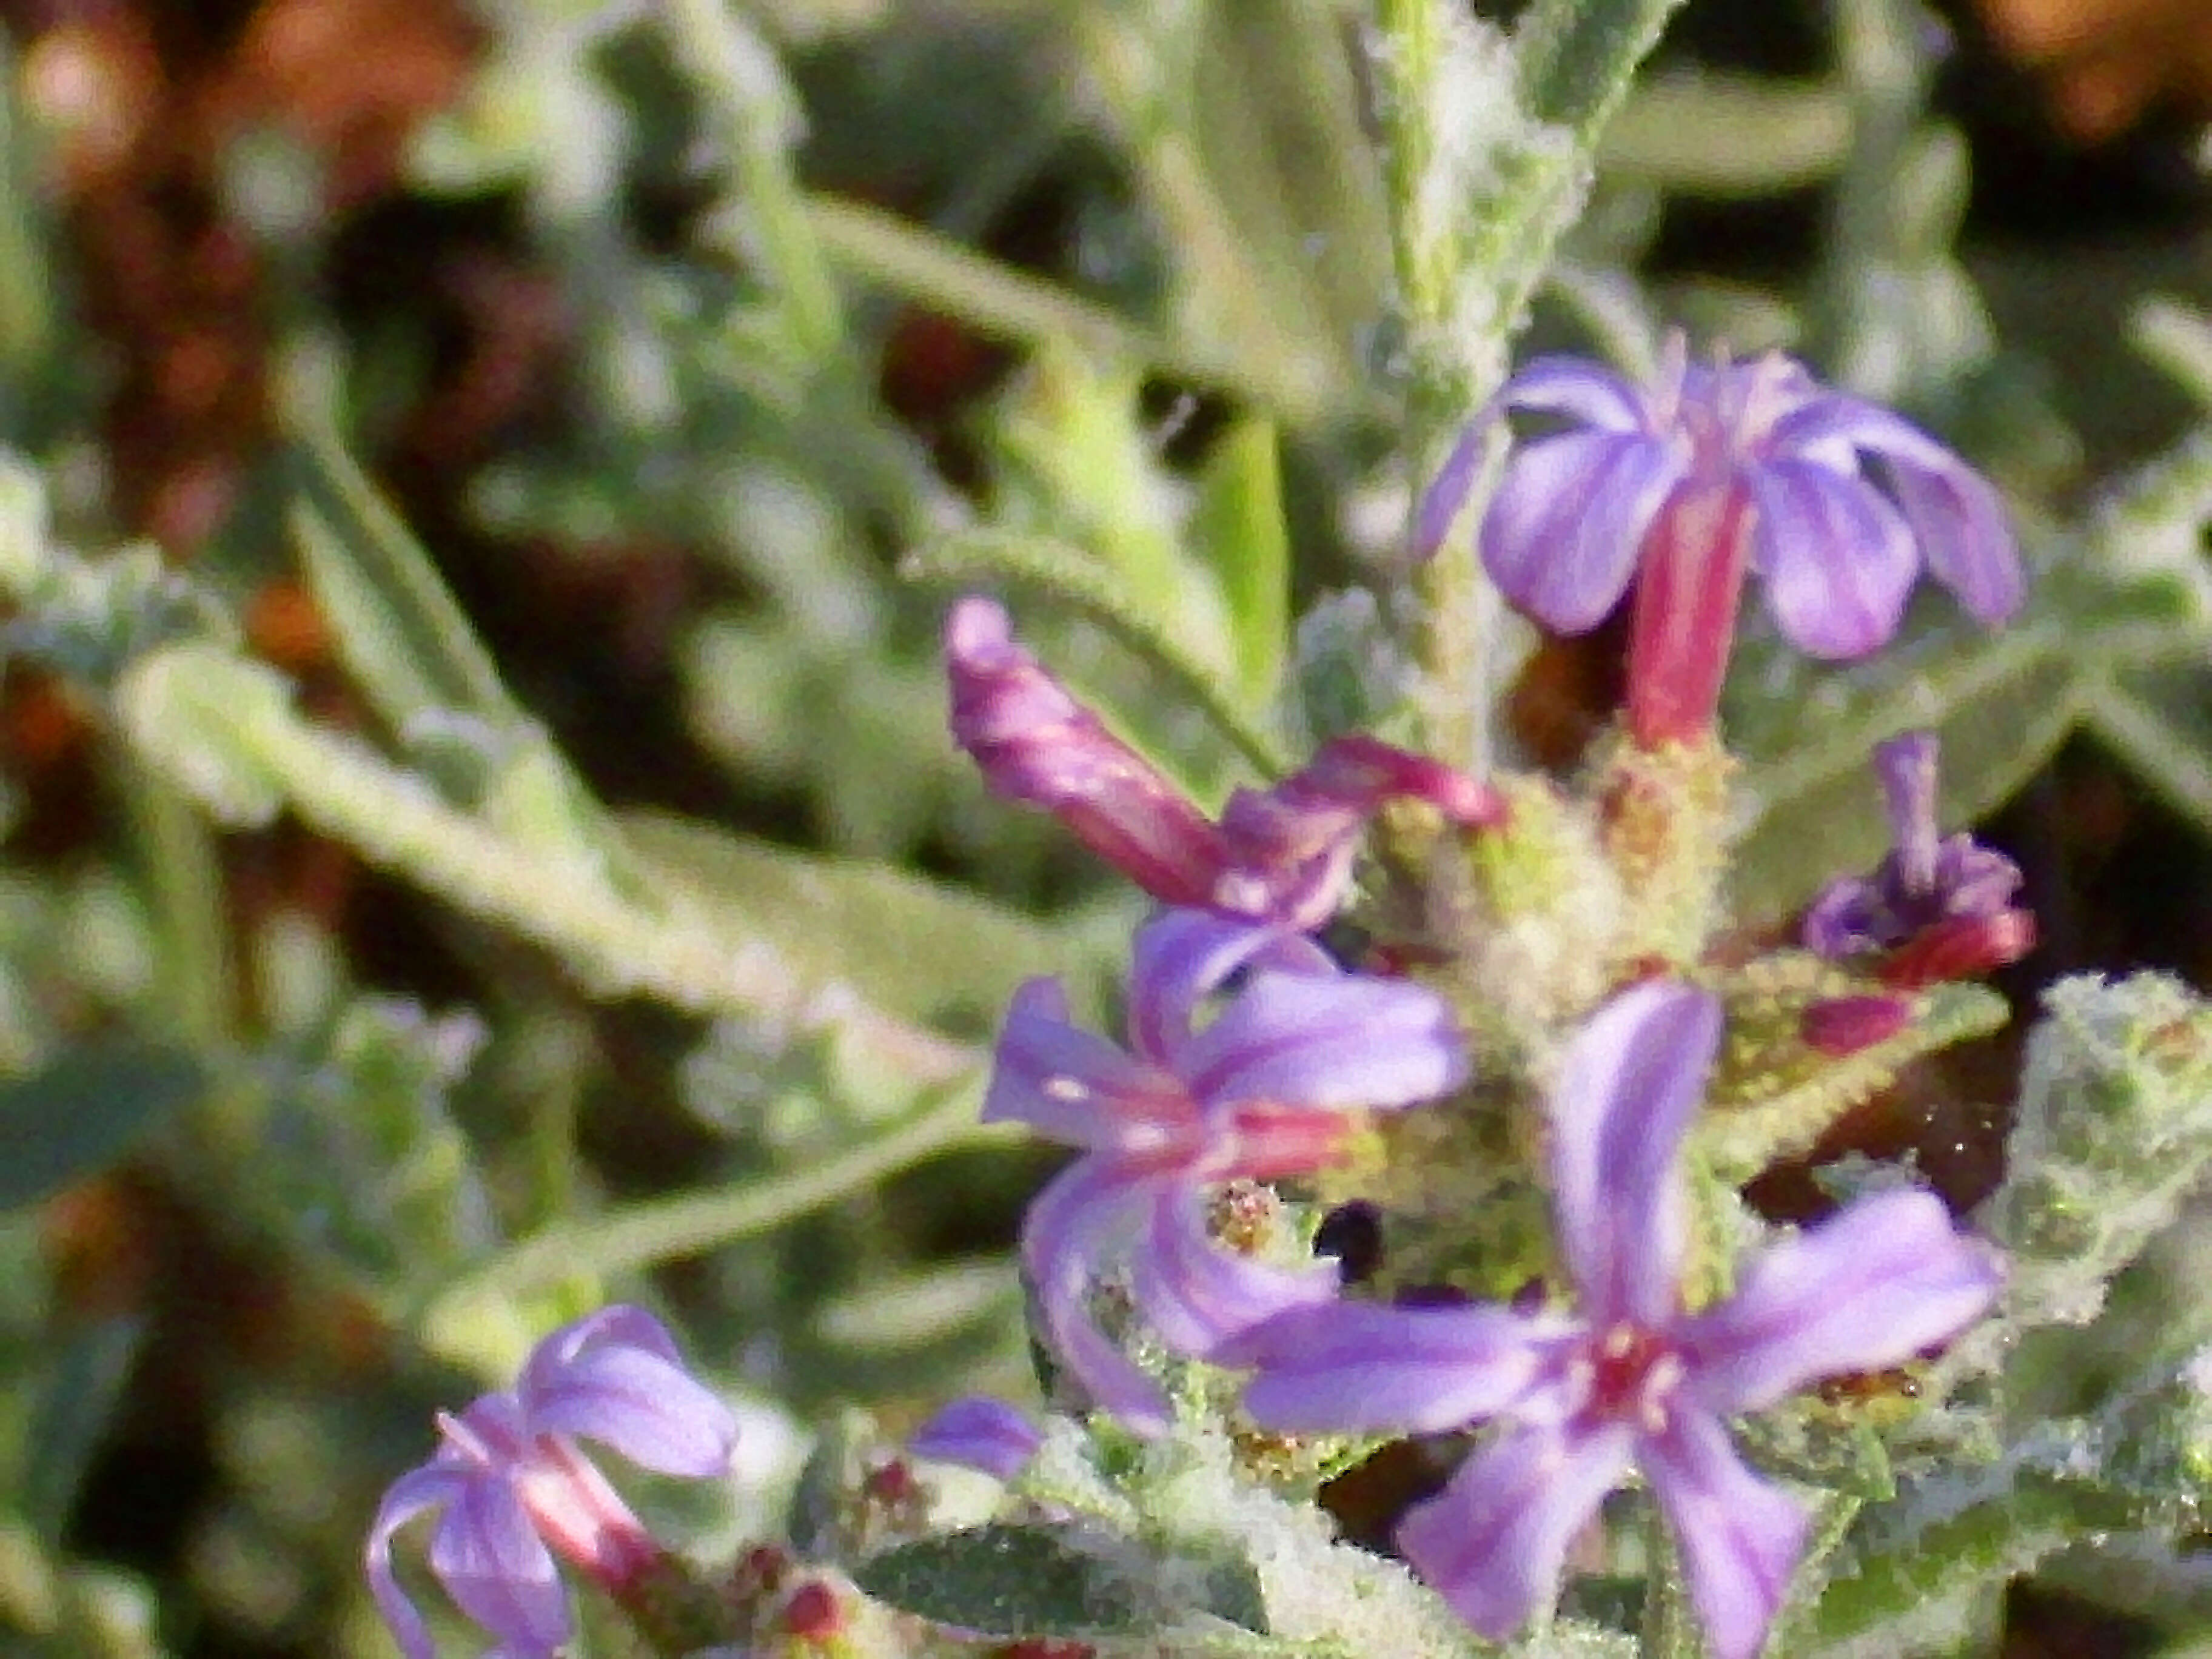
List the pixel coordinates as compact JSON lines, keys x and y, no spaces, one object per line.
{"x":1352,"y":1233}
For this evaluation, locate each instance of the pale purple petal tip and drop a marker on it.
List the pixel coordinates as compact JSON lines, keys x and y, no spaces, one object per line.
{"x":1739,"y":1537}
{"x":1629,"y":1085}
{"x":1837,"y":559}
{"x":979,"y":1433}
{"x":1440,"y":502}
{"x":1867,"y":1289}
{"x":1345,"y":1040}
{"x":1562,"y":535}
{"x":498,"y":1570}
{"x":417,"y":1493}
{"x":1494,"y":1542}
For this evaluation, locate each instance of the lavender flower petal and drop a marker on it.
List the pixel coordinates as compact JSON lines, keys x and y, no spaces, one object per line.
{"x":1180,"y":957}
{"x":1441,"y":503}
{"x":1838,"y":559}
{"x":498,"y":1570}
{"x":1197,"y":1294}
{"x":978,"y":1432}
{"x":1956,"y":518}
{"x":1739,"y":1538}
{"x":1868,"y":1288}
{"x":1563,"y":531}
{"x":1494,"y":1542}
{"x":1069,"y":1226}
{"x":1067,"y":1084}
{"x":417,"y":1493}
{"x":1629,"y":1085}
{"x":1583,"y":391}
{"x":1363,"y":1367}
{"x":1339,"y":1041}
{"x":647,"y":1407}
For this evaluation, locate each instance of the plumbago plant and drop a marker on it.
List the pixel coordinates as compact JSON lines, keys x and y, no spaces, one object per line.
{"x":1428,"y":1143}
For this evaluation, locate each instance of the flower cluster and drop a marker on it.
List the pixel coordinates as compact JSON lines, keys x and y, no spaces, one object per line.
{"x":1250,"y":1051}
{"x":515,"y":1490}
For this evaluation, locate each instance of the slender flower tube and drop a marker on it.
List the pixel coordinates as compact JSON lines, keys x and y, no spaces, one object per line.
{"x":1262,"y":1092}
{"x":1937,"y":907}
{"x":515,"y":1490}
{"x":1281,"y":855}
{"x":1684,"y":486}
{"x":1630,"y":1376}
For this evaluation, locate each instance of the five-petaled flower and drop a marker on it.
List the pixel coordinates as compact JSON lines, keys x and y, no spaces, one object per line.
{"x":1280,"y":855}
{"x":1260,"y":1091}
{"x":516,"y":1491}
{"x":1938,"y":906}
{"x":1682,"y":486}
{"x":1631,"y":1376}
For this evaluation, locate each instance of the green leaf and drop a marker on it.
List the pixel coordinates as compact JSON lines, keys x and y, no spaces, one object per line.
{"x":1072,"y":1580}
{"x":87,"y":1109}
{"x":2000,"y":706}
{"x":1241,"y":534}
{"x":2157,"y":722}
{"x":83,"y":1380}
{"x":398,"y":627}
{"x":903,"y":942}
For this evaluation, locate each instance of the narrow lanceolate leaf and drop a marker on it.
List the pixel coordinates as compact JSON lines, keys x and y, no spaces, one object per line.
{"x":1241,"y":534}
{"x":85,"y":1110}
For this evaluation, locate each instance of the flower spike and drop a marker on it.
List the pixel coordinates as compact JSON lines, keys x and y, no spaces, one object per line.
{"x":1262,"y":1092}
{"x":1281,"y":855}
{"x":515,"y":1490}
{"x":1684,"y":486}
{"x":1630,"y":1377}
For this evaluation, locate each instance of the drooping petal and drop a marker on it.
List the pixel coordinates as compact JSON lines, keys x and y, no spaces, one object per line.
{"x":1562,"y":535}
{"x":1196,"y":1294}
{"x":498,"y":1570}
{"x":1582,"y":390}
{"x":1628,"y":1086}
{"x":1740,"y":1537}
{"x":621,"y":1382}
{"x":1494,"y":1542}
{"x":1345,"y":1040}
{"x":1960,"y":523}
{"x":417,"y":1493}
{"x":1361,"y":1366}
{"x":1069,"y":1228}
{"x":1036,"y":743}
{"x":1439,"y":507}
{"x":1071,"y":1085}
{"x":1837,"y":559}
{"x":978,"y":1432}
{"x":1956,"y":518}
{"x":1181,"y":957}
{"x":1867,"y":1289}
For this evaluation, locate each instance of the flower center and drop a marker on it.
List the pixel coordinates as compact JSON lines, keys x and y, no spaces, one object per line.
{"x":1632,"y":1372}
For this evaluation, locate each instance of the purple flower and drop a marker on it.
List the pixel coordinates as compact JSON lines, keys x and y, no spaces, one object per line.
{"x":512,"y":1482}
{"x":1629,"y":1377}
{"x":1940,"y":906}
{"x":1683,"y":485}
{"x":1259,"y":1093}
{"x":1282,"y":855}
{"x":978,"y":1432}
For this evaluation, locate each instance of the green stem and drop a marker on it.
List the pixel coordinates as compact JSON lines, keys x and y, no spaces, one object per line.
{"x":638,"y":1235}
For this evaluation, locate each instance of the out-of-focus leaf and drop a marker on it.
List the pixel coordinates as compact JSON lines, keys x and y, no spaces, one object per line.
{"x":84,"y":1379}
{"x":1717,"y":134}
{"x":85,"y":1110}
{"x":398,"y":627}
{"x":2000,"y":706}
{"x":1241,"y":534}
{"x":1074,"y":1581}
{"x":2159,"y":721}
{"x":904,"y":943}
